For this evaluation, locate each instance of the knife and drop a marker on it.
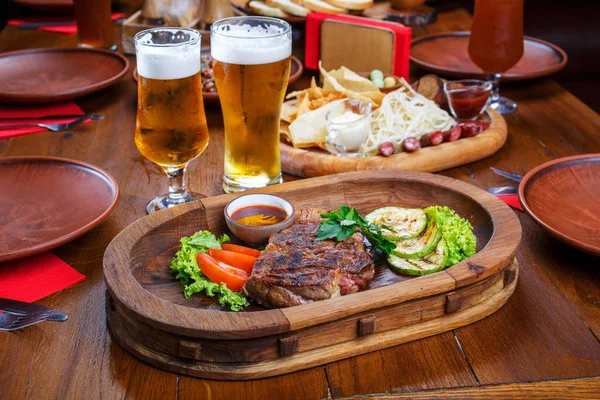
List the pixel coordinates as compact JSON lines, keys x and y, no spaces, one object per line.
{"x":22,"y":308}
{"x":44,"y":24}
{"x":50,"y":117}
{"x":509,"y":175}
{"x":503,"y":190}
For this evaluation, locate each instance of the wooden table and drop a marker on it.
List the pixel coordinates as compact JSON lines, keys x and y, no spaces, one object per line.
{"x":542,"y":343}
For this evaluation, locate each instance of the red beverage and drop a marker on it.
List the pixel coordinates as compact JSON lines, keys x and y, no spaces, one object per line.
{"x":496,"y":42}
{"x":94,"y":24}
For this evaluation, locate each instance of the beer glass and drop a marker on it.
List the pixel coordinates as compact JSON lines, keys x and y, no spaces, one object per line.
{"x":496,"y":43}
{"x":171,"y":125}
{"x":94,"y":24}
{"x":251,"y":66}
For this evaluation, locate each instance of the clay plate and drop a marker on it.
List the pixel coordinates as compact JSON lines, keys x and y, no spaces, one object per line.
{"x":57,"y":74}
{"x":446,"y":54}
{"x":296,"y":70}
{"x":49,"y":201}
{"x":563,"y":196}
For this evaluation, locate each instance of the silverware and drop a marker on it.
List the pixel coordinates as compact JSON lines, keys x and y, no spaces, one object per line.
{"x":509,"y":175}
{"x":51,"y":117}
{"x":17,"y":314}
{"x":503,"y":190}
{"x":35,"y":25}
{"x":50,"y":127}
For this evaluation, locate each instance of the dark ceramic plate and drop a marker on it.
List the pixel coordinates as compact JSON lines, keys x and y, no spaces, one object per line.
{"x":296,"y":70}
{"x":57,"y":74}
{"x":48,"y":201}
{"x":563,"y":196}
{"x":447,"y":54}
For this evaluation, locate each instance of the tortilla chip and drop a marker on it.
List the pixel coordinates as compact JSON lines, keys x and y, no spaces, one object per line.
{"x":330,"y":83}
{"x":376,"y":97}
{"x":303,"y":105}
{"x":352,"y":81}
{"x":309,"y":129}
{"x":288,"y":112}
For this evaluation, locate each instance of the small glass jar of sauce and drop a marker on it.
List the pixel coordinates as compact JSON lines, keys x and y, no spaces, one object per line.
{"x":468,"y":98}
{"x":348,"y":125}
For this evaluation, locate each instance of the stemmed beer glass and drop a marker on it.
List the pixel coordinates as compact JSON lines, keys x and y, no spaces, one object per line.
{"x":496,"y":43}
{"x":171,"y":125}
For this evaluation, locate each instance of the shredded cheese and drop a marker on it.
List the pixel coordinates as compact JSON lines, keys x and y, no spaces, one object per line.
{"x":404,"y":113}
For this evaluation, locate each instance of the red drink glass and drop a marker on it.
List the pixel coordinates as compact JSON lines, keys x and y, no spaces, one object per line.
{"x":496,"y":43}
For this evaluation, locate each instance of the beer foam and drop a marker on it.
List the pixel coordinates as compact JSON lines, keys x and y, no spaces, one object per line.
{"x":250,"y":45}
{"x":167,"y":62}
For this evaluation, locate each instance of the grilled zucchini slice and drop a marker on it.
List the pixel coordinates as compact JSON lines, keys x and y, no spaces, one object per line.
{"x":429,"y":264}
{"x":421,"y":245}
{"x":406,"y":223}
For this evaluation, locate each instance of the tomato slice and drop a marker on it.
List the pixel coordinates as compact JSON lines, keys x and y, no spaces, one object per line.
{"x":237,"y":260}
{"x":220,"y":272}
{"x":241,"y":249}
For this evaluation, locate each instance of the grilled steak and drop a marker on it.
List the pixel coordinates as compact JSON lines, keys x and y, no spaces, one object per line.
{"x":295,"y":268}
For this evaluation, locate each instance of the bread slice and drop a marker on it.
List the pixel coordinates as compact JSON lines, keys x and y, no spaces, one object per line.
{"x":321,"y":6}
{"x":432,"y":87}
{"x":262,"y":8}
{"x":351,"y":4}
{"x":290,"y":7}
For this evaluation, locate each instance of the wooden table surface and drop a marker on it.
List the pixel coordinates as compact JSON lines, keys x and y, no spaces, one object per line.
{"x":542,"y":343}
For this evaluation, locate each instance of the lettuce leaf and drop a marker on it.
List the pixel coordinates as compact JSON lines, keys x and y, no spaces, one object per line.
{"x":456,"y":232}
{"x":185,"y":265}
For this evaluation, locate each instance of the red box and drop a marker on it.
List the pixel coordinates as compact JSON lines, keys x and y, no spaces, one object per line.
{"x":403,"y":36}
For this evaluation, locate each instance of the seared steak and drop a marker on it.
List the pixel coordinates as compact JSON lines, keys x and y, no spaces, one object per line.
{"x":295,"y":268}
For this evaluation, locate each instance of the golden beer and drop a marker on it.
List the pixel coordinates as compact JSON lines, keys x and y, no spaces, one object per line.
{"x":94,"y":23}
{"x":171,"y":126}
{"x":251,"y":66}
{"x":251,"y":101}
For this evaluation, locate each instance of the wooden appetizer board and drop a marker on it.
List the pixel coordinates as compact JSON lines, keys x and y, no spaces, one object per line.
{"x":148,"y":315}
{"x":316,"y":162}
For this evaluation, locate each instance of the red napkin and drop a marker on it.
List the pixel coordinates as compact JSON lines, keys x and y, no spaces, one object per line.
{"x":33,"y":278}
{"x":66,"y":29}
{"x":512,"y":200}
{"x":34,"y":112}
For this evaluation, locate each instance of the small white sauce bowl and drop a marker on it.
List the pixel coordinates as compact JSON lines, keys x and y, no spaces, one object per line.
{"x":257,"y":235}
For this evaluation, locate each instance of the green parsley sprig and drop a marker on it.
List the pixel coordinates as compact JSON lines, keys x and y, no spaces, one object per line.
{"x":341,"y":224}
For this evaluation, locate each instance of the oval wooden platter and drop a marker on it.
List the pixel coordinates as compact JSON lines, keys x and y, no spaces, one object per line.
{"x":148,"y":315}
{"x":316,"y":162}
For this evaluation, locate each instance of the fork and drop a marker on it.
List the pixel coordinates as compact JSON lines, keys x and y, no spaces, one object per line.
{"x":50,"y":127}
{"x":12,"y":322}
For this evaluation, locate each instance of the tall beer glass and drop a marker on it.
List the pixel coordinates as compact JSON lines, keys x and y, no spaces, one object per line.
{"x":171,"y":125}
{"x":94,"y":24}
{"x":251,"y":66}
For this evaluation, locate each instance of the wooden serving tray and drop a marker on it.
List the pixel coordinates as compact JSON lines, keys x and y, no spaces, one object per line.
{"x":316,"y":162}
{"x":148,"y":315}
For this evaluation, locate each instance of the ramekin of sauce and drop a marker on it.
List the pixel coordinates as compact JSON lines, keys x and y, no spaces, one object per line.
{"x":253,"y":218}
{"x":468,"y":98}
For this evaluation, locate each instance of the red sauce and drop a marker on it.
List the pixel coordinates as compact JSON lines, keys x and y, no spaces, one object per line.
{"x":259,"y":215}
{"x":468,"y":103}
